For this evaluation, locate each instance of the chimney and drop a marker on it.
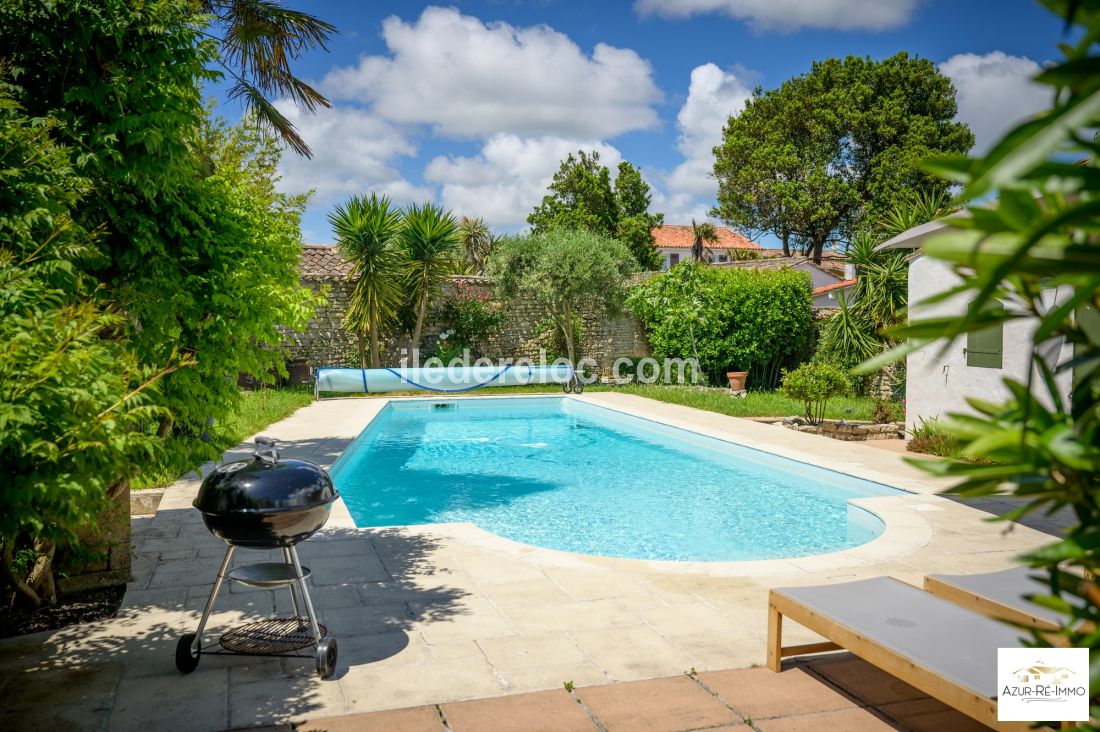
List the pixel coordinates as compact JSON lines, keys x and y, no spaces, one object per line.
{"x":849,"y":271}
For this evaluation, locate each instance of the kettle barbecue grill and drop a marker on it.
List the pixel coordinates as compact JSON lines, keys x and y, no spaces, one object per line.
{"x":265,"y":503}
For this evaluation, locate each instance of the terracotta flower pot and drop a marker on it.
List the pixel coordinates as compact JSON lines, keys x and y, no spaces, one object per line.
{"x":737,"y":379}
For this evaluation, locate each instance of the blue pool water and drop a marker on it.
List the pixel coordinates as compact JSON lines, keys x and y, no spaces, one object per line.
{"x":566,"y":475}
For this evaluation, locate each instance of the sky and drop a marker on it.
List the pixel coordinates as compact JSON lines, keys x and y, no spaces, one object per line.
{"x":474,"y":104}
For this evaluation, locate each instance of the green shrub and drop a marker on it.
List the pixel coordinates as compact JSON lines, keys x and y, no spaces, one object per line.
{"x":727,"y":318}
{"x":930,"y":438}
{"x":73,"y":396}
{"x":814,"y":384}
{"x":886,"y":411}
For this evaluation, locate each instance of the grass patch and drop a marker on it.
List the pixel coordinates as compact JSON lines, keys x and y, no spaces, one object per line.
{"x":258,"y":409}
{"x":754,"y":404}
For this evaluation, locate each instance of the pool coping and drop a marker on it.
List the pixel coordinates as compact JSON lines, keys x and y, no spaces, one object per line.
{"x":905,"y":528}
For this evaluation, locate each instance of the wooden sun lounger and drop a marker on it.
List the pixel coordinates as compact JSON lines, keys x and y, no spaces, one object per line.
{"x":946,"y":651}
{"x":998,"y":595}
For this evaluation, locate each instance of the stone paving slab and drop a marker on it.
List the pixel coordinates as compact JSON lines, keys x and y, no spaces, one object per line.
{"x":445,"y":613}
{"x":800,"y":699}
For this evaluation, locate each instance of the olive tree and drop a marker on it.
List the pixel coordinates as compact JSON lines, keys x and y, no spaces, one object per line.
{"x":565,"y":271}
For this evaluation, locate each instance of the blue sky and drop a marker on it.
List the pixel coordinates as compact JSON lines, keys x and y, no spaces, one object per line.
{"x":473,"y":104}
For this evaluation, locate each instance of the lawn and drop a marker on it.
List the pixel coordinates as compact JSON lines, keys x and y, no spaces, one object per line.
{"x":754,"y":404}
{"x":259,"y":408}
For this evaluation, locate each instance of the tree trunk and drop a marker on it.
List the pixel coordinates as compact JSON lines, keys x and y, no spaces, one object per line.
{"x":165,"y":426}
{"x":41,"y":573}
{"x":362,"y":348}
{"x":419,"y":323}
{"x":567,"y":331}
{"x":375,"y":358}
{"x":786,"y":244}
{"x":819,"y":245}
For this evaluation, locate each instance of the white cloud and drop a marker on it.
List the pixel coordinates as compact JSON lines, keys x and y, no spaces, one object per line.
{"x":995,"y":92}
{"x":791,"y":15}
{"x":681,"y":208}
{"x":471,"y":79}
{"x":713,"y":96}
{"x":508,"y":177}
{"x":353,"y":152}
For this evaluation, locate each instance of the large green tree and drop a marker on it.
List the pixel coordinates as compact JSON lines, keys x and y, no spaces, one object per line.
{"x":582,"y":196}
{"x":811,"y":160}
{"x":635,"y":224}
{"x":196,"y":248}
{"x":565,"y":271}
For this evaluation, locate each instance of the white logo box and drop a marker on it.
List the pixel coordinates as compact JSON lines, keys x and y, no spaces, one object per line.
{"x":1042,"y":684}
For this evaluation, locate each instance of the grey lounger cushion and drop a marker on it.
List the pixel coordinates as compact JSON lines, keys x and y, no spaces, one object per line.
{"x":1008,"y":588}
{"x":955,"y":643}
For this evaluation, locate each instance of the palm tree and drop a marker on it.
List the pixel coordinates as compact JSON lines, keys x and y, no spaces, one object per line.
{"x":477,"y":242}
{"x":259,"y":39}
{"x":429,"y":243}
{"x":366,"y":233}
{"x":703,"y":233}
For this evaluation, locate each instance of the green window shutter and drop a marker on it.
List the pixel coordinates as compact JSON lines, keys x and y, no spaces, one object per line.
{"x":985,"y":348}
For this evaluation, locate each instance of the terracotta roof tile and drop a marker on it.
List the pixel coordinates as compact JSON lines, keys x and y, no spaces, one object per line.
{"x":322,"y":262}
{"x":675,"y":236}
{"x":834,"y":286}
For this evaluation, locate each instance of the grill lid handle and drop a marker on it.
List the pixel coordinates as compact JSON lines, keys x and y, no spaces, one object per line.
{"x":266,"y":450}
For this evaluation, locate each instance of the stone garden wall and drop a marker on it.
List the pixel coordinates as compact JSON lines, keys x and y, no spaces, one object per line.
{"x":606,"y":337}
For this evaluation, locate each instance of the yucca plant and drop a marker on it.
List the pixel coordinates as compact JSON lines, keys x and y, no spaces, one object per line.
{"x":366,"y":234}
{"x":429,"y":244}
{"x":850,"y":337}
{"x":477,"y":242}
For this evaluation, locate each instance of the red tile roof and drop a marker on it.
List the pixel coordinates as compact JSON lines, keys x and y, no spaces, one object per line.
{"x":834,"y":286}
{"x":322,"y":262}
{"x":674,"y":236}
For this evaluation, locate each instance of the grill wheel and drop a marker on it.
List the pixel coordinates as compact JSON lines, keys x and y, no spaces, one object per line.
{"x":186,"y":661}
{"x":326,"y":657}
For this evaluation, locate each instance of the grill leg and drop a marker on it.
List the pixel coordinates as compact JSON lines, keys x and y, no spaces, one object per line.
{"x":293,"y":592}
{"x":305,"y":593}
{"x":213,"y":596}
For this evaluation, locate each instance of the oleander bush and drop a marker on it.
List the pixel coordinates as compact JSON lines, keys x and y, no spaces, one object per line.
{"x":469,"y":315}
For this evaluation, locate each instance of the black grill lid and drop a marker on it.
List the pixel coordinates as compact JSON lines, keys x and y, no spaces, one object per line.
{"x":265,"y":484}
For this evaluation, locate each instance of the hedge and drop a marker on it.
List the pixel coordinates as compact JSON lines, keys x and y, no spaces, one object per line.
{"x":729,"y":318}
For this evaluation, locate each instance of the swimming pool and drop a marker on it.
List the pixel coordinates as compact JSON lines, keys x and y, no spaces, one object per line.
{"x":567,"y":475}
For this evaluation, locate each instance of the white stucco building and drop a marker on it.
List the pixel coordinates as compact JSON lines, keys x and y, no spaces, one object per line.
{"x":938,"y":381}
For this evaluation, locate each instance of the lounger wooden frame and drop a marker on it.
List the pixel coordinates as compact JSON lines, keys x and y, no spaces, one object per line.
{"x":984,"y":605}
{"x":841,"y":637}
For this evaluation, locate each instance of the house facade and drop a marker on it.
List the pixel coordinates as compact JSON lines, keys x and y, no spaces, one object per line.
{"x":674,"y":241}
{"x":939,"y":379}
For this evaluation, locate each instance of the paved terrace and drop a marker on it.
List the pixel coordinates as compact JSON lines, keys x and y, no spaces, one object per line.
{"x":441,"y":614}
